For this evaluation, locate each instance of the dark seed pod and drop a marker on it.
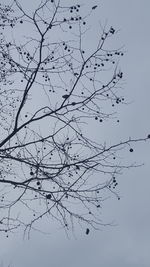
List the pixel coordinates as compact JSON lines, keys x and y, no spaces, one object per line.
{"x":48,"y":196}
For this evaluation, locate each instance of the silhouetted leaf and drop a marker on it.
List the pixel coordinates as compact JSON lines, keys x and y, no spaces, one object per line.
{"x":87,"y":231}
{"x":94,"y":7}
{"x":65,"y":96}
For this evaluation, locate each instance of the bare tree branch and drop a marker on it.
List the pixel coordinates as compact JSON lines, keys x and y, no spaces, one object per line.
{"x":52,"y":86}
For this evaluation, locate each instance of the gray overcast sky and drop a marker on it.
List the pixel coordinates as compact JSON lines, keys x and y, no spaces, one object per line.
{"x":128,"y":243}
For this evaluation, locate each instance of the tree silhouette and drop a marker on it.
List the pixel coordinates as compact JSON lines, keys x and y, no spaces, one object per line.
{"x":53,"y":84}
